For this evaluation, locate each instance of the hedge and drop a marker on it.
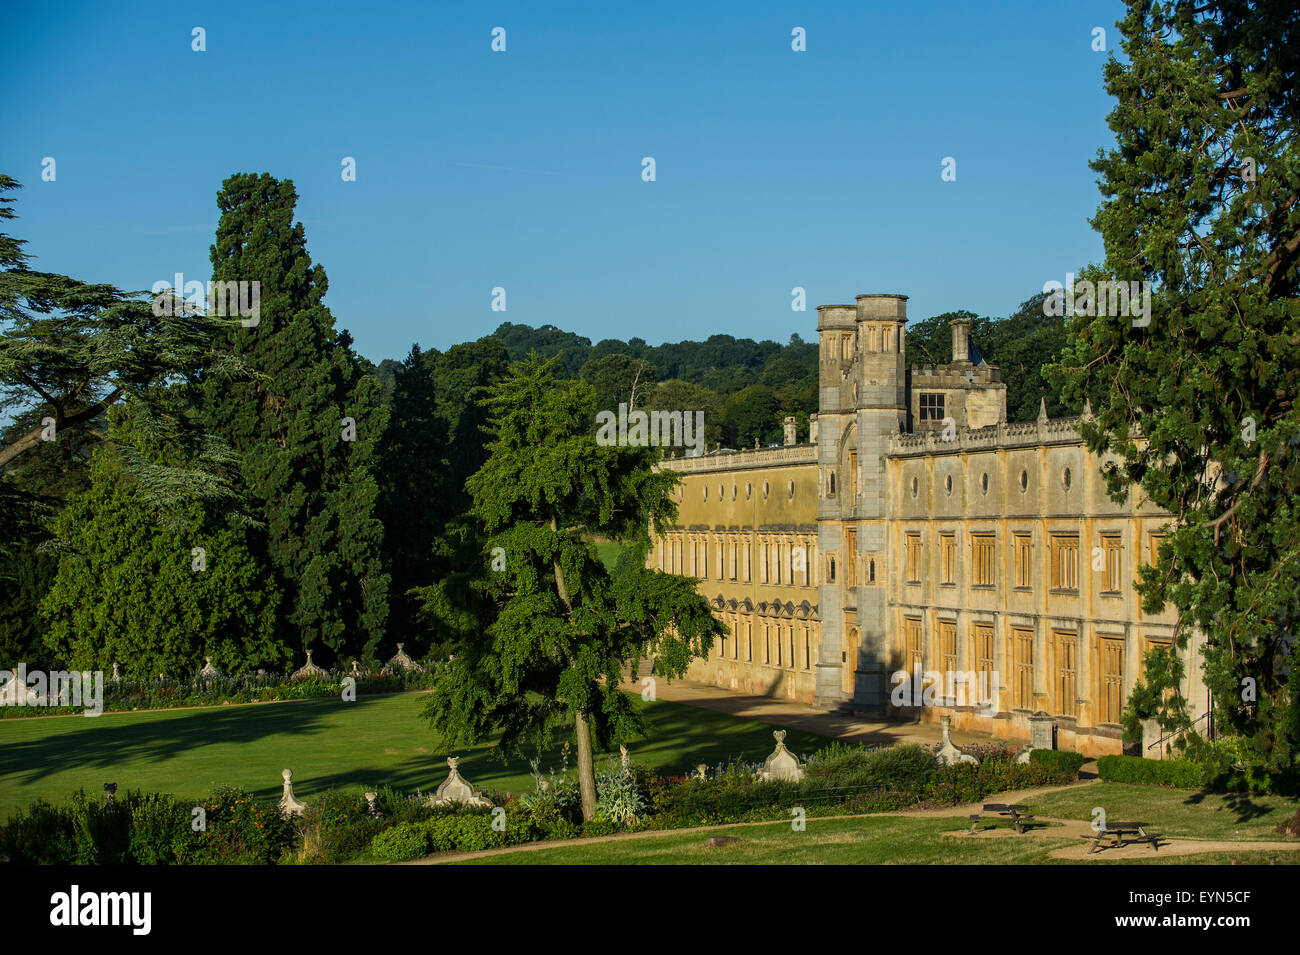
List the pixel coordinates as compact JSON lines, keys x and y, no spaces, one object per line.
{"x":1179,"y":773}
{"x":1058,"y":759}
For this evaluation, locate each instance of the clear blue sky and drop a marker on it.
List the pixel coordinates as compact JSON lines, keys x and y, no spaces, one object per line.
{"x":522,"y":169}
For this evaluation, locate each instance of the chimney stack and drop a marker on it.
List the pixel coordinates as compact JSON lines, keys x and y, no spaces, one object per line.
{"x":960,"y":339}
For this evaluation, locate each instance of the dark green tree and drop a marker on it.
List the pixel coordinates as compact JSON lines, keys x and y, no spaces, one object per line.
{"x":434,"y":442}
{"x":752,"y":414}
{"x":678,"y":395}
{"x":1201,"y":200}
{"x":306,"y":427}
{"x":559,"y":629}
{"x":620,"y":379}
{"x":155,"y":599}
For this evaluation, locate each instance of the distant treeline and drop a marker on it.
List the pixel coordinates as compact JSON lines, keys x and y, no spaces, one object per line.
{"x":746,"y":388}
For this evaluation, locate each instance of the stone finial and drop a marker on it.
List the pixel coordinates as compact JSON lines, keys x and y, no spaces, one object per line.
{"x":1042,"y":410}
{"x":948,"y":753}
{"x":1087,"y":409}
{"x":401,"y":662}
{"x":309,"y":671}
{"x":457,"y":789}
{"x":791,"y":430}
{"x":812,"y":429}
{"x":782,"y":764}
{"x":290,"y":806}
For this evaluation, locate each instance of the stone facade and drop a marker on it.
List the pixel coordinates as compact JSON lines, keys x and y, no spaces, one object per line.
{"x":920,"y":531}
{"x":747,"y":529}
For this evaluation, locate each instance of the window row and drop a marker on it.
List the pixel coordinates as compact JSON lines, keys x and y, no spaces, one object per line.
{"x":772,"y":560}
{"x":1063,"y":569}
{"x":1016,"y":664}
{"x":765,"y":490}
{"x":785,"y":646}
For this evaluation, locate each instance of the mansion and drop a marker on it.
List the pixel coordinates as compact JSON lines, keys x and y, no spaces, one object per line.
{"x":918,"y":530}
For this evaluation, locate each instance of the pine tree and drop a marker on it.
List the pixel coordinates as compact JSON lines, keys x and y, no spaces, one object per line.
{"x":413,"y":465}
{"x":306,"y":427}
{"x":559,"y":628}
{"x":1201,"y":200}
{"x":434,"y":442}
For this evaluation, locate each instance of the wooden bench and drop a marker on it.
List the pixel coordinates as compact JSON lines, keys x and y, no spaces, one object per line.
{"x":1147,"y":834}
{"x":1115,"y":832}
{"x":1019,"y":815}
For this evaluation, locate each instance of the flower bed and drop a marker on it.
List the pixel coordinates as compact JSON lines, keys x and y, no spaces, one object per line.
{"x":338,"y":826}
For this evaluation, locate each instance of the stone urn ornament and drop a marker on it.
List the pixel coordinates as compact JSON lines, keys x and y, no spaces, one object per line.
{"x":782,"y":764}
{"x":289,"y":805}
{"x":948,"y":753}
{"x":401,"y":663}
{"x":309,"y":671}
{"x":457,"y":789}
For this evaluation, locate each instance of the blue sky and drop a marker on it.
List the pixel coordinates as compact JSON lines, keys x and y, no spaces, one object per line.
{"x":522,"y":169}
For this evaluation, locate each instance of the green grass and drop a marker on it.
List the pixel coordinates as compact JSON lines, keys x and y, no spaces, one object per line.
{"x":870,"y":840}
{"x":608,"y":552}
{"x":375,"y":741}
{"x":1177,"y":812}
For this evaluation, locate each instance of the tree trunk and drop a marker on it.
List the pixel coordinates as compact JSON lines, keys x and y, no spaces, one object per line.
{"x":32,"y":438}
{"x":586,"y":768}
{"x":582,"y":729}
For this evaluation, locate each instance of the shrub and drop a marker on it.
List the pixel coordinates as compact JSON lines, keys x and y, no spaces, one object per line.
{"x":41,"y":834}
{"x":908,"y":766}
{"x":400,"y":843}
{"x":1180,"y":773}
{"x":335,"y":826}
{"x":1057,"y":759}
{"x":462,"y":831}
{"x":241,"y":830}
{"x":556,"y":797}
{"x":161,"y":830}
{"x":619,"y":799}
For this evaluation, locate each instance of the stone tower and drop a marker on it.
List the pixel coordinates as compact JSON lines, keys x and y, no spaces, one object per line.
{"x":862,"y":403}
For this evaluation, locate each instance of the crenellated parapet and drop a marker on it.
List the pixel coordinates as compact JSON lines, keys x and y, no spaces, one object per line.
{"x":1016,"y":434}
{"x":784,"y":456}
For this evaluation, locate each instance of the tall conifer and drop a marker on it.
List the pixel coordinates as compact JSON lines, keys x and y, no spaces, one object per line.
{"x":306,"y":427}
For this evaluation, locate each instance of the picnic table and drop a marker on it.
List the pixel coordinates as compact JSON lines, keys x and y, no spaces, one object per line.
{"x":1019,"y":815}
{"x":1116,"y":831}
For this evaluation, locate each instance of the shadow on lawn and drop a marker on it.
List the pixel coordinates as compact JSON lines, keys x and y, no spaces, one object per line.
{"x":680,"y":738}
{"x":107,"y":741}
{"x":1246,"y":809}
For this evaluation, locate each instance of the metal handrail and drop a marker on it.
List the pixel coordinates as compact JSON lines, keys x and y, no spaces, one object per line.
{"x":1178,"y":731}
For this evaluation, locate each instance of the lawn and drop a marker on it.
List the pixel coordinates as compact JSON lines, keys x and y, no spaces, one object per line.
{"x":869,"y":840}
{"x":1178,"y":812}
{"x":374,"y":741}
